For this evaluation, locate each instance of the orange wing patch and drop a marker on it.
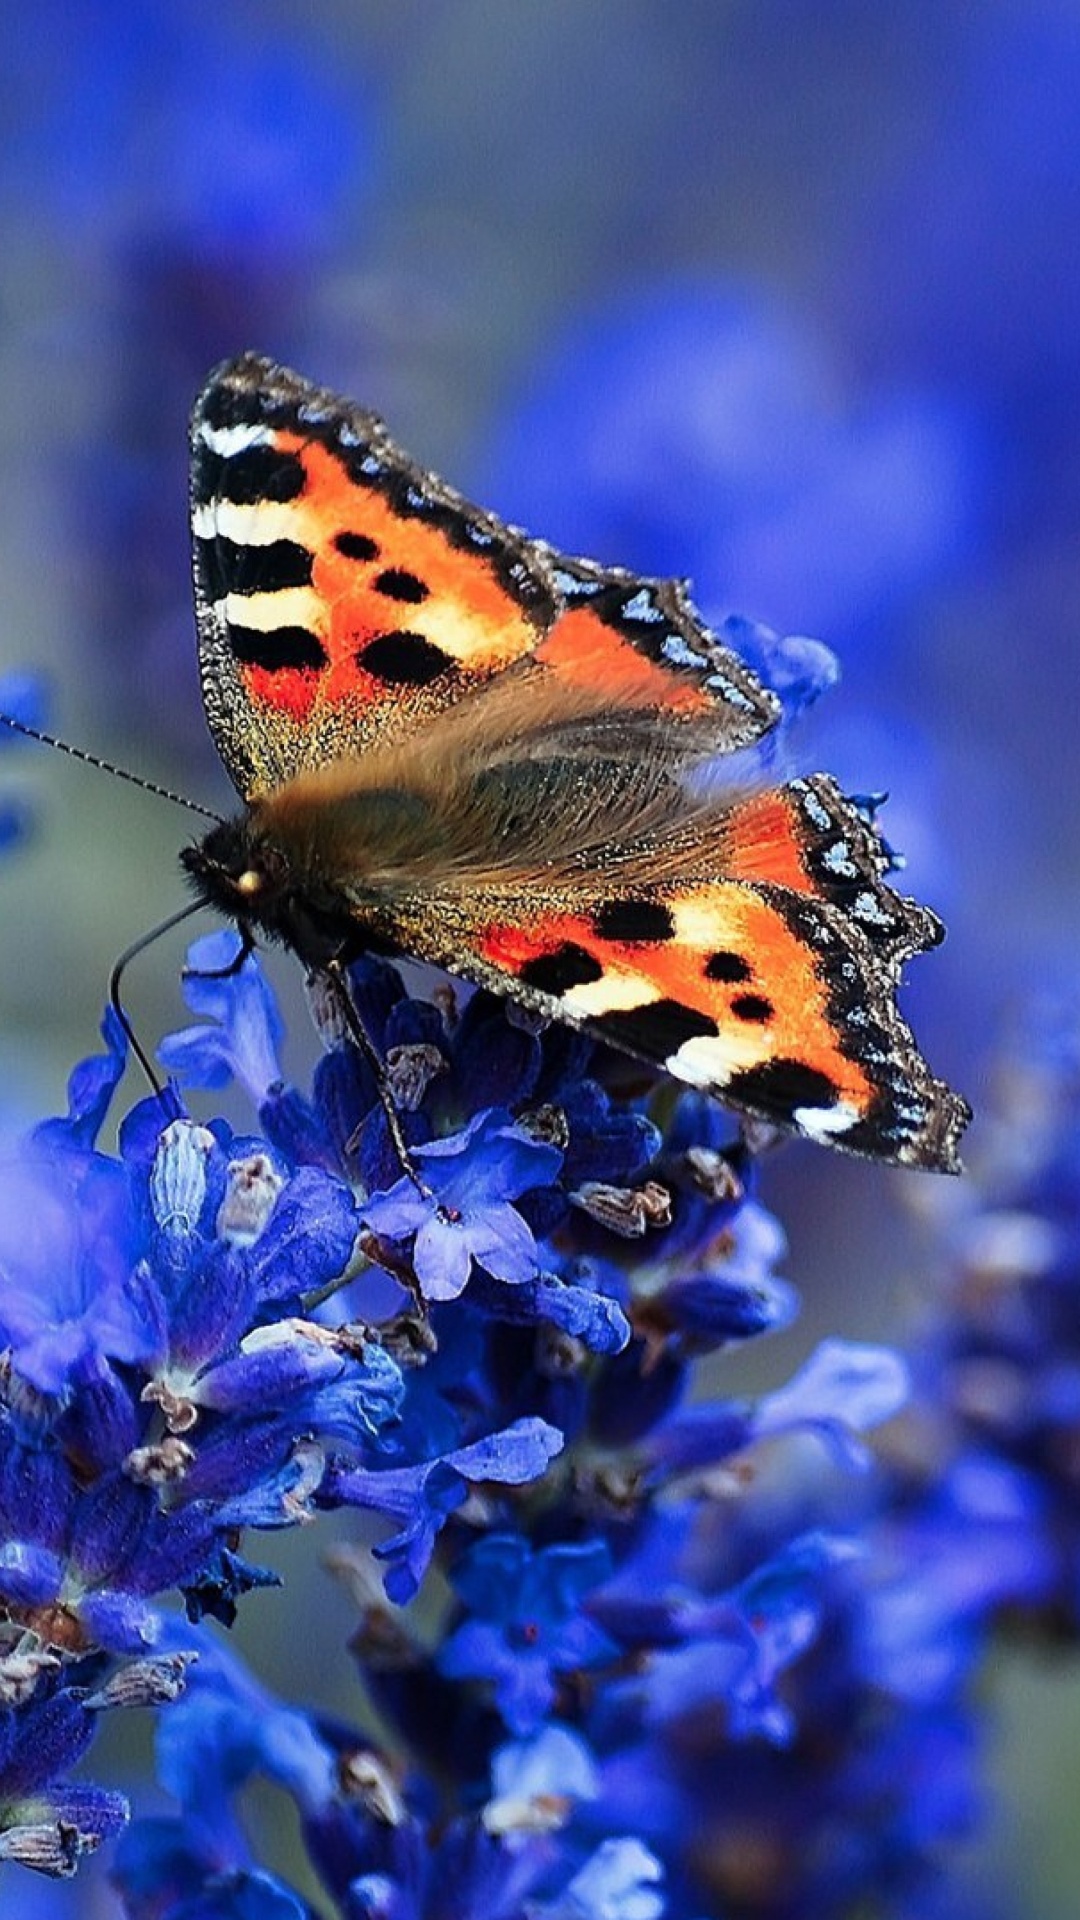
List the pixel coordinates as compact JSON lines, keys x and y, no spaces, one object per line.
{"x":587,"y":652}
{"x":762,"y":995}
{"x":344,"y":597}
{"x":391,"y":602}
{"x":723,"y":986}
{"x":764,"y":842}
{"x":642,"y":642}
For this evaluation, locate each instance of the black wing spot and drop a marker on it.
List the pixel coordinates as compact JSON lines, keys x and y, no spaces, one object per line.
{"x":231,"y":566}
{"x":277,"y":649}
{"x":660,"y":1027}
{"x":357,"y":546}
{"x":781,"y":1086}
{"x":729,"y":967}
{"x":256,"y":474}
{"x":227,"y":405}
{"x":753,"y":1007}
{"x":564,"y":967}
{"x":404,"y":659}
{"x":634,"y":921}
{"x":398,"y":584}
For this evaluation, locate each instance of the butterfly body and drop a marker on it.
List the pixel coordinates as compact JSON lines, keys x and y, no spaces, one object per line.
{"x":455,"y":743}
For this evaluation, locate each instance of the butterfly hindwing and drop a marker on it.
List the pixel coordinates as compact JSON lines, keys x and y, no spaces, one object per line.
{"x":642,"y":643}
{"x":768,"y":994}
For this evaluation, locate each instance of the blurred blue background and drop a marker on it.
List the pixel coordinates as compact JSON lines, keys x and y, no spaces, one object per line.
{"x":782,"y":296}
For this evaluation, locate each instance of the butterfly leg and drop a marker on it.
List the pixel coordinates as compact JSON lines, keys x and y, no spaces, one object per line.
{"x":247,"y":945}
{"x":358,"y":1033}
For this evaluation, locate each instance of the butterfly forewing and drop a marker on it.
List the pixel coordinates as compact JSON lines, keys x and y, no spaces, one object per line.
{"x":346,"y":596}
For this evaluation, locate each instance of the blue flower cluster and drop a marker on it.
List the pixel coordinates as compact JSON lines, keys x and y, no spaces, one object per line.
{"x":657,"y":1666}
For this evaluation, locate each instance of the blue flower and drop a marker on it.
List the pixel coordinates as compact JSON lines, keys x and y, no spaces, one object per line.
{"x":424,"y":1495}
{"x":211,"y":1332}
{"x":165,"y":1871}
{"x":64,"y":1300}
{"x":466,"y":1216}
{"x":843,"y":1388}
{"x":735,"y":1650}
{"x":524,"y":1626}
{"x":997,"y":1366}
{"x":728,"y":1292}
{"x":377,"y":1850}
{"x":552,"y":1766}
{"x":621,"y":1881}
{"x":242,"y":1028}
{"x":584,"y":1312}
{"x":45,"y":1822}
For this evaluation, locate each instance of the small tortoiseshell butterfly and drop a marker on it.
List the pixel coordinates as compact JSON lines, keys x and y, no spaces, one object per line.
{"x":456,"y":743}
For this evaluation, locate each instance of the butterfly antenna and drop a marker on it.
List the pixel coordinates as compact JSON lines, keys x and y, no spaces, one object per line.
{"x":131,"y":953}
{"x":106,"y":766}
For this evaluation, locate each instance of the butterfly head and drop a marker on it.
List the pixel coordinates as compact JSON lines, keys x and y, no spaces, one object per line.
{"x":253,"y":872}
{"x":241,"y":873}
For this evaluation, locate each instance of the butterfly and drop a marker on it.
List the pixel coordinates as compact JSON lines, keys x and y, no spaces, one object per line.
{"x":456,"y":743}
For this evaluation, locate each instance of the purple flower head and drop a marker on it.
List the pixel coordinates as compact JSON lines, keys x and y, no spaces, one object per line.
{"x":467,"y":1216}
{"x":155,"y":1397}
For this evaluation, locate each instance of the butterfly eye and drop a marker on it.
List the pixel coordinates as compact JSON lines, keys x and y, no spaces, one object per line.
{"x":250,"y":882}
